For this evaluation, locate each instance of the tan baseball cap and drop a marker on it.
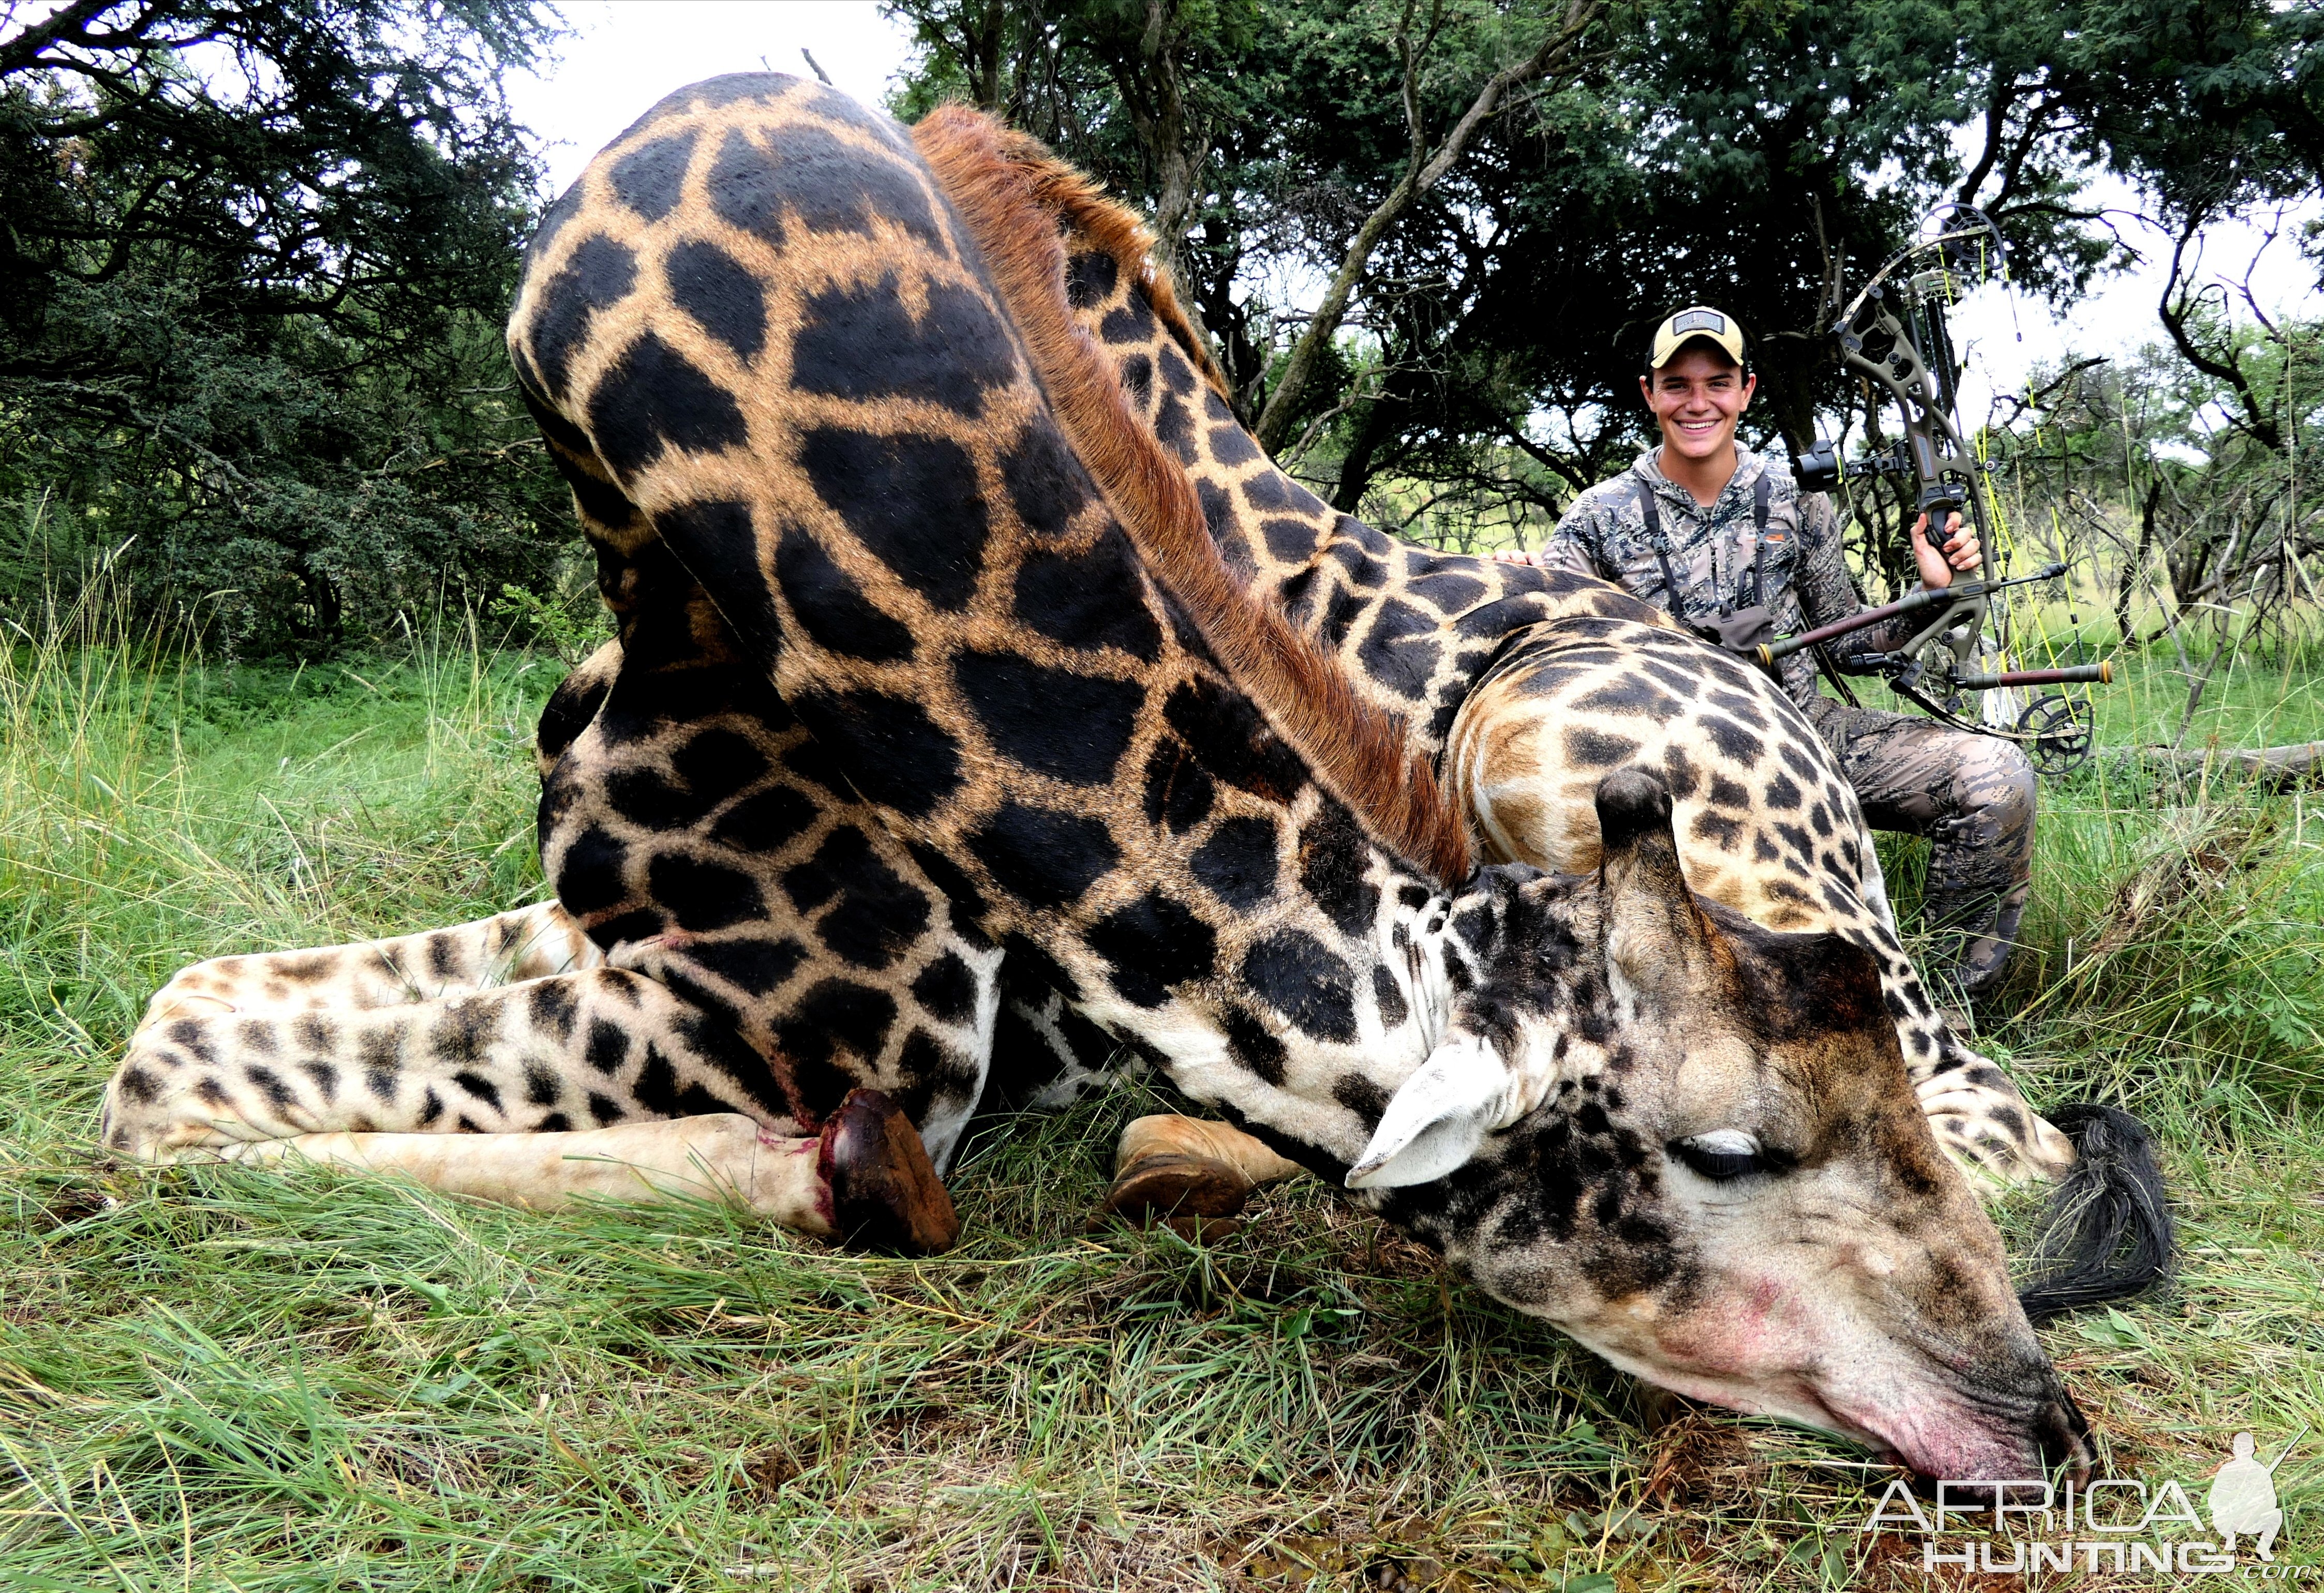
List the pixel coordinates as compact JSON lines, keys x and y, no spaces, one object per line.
{"x":1697,"y":321}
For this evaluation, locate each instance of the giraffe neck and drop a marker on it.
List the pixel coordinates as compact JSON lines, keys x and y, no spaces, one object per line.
{"x":867,"y":479}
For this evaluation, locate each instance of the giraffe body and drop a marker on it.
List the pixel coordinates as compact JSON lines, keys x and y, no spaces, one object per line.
{"x":934,"y":695}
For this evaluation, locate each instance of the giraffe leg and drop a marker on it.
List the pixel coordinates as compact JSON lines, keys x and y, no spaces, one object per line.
{"x":1175,"y":1167}
{"x":480,"y":1094}
{"x":509,"y":948}
{"x":866,"y":1179}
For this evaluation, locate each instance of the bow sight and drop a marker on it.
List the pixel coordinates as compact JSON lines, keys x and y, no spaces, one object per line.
{"x":1895,"y":337}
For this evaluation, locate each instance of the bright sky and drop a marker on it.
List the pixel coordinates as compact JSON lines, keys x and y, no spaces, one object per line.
{"x":629,"y":53}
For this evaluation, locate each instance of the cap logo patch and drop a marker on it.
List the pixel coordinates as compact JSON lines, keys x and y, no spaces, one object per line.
{"x":1701,"y":320}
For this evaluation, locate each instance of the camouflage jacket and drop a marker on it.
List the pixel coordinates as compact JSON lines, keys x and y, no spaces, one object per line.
{"x":1711,"y":551}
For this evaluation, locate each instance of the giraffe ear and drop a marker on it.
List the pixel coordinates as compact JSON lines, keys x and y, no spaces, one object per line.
{"x":1655,"y":937}
{"x":1436,"y":1120}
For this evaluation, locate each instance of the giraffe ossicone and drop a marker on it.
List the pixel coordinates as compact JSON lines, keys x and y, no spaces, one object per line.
{"x":941,"y":718}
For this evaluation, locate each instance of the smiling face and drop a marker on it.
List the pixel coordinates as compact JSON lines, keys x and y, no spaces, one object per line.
{"x":1713,"y":1171}
{"x":1698,"y":398}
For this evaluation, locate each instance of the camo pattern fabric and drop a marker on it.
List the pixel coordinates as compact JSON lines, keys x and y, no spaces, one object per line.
{"x":1972,"y":796}
{"x":1711,"y":551}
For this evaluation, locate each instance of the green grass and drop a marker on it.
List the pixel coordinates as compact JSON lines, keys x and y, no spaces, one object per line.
{"x":215,"y":1378}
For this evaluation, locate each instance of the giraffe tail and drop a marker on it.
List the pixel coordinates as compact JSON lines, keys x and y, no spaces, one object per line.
{"x":2109,"y":1234}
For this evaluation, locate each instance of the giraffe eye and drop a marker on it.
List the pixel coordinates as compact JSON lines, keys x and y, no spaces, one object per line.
{"x":1720,"y":1154}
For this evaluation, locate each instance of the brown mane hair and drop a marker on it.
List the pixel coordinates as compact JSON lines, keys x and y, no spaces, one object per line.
{"x":1010,"y":190}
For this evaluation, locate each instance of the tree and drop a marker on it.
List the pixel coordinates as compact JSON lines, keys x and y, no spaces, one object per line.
{"x":249,"y":297}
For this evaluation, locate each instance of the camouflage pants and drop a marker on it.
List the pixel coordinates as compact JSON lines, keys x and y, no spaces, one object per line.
{"x":1973,"y":798}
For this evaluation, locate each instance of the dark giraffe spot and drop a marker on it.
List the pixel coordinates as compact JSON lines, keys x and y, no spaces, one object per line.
{"x":1362,"y":569}
{"x":655,"y":398}
{"x":765,"y":821}
{"x":1137,"y":379}
{"x":831,"y":607}
{"x":1150,"y":946}
{"x":1713,"y":827}
{"x":755,"y":965}
{"x":880,"y":913}
{"x":597,"y":275}
{"x":650,"y":178}
{"x":1389,"y":997}
{"x":1230,"y":445}
{"x":554,"y":1123}
{"x":1629,"y":694}
{"x":1726,"y":793}
{"x":1053,"y":722}
{"x":1174,"y":427}
{"x":1091,"y":278}
{"x":1678,"y":770}
{"x":1362,"y":1096}
{"x":1042,"y":858}
{"x":1132,"y":321}
{"x":947,"y":990}
{"x":861,"y":344}
{"x":1400,"y":650}
{"x":1046,"y":483}
{"x":431,"y":1108}
{"x":605,"y":1111}
{"x":1293,"y":973}
{"x":1218,"y":509}
{"x":714,"y":540}
{"x":479,"y":1087}
{"x":540,"y":1086}
{"x":1270,"y":490}
{"x":551,"y":1004}
{"x":1230,"y":739}
{"x":1289,"y":541}
{"x":1178,"y":375}
{"x":1819,"y":819}
{"x":1451,"y":590}
{"x":1027,"y":968}
{"x":1744,"y":708}
{"x":1238,"y":863}
{"x":1590,"y":749}
{"x":892,"y":752}
{"x":658,"y":1094}
{"x":1730,"y":738}
{"x":1333,"y":855}
{"x":1089,"y":600}
{"x":711,"y":285}
{"x":189,"y":1034}
{"x":1783,"y":792}
{"x":837,"y":1017}
{"x":138,"y":1084}
{"x":464,"y":1031}
{"x":1177,"y":792}
{"x":913,"y":502}
{"x":827,"y":185}
{"x":1249,"y":1042}
{"x":608,"y":1046}
{"x":701,"y":895}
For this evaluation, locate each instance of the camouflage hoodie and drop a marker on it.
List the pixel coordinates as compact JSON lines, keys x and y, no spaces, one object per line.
{"x":1715,"y":551}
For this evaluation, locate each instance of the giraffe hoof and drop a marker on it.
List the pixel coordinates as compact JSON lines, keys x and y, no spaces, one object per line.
{"x":1173,"y":1185}
{"x":885,"y":1194}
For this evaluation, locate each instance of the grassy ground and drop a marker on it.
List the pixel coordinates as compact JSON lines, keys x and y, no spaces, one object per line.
{"x":212,"y":1378}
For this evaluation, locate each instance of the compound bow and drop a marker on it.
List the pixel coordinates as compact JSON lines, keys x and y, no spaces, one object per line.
{"x":1896,"y":336}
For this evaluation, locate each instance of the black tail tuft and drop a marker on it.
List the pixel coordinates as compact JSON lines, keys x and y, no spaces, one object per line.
{"x":2112,"y":1201}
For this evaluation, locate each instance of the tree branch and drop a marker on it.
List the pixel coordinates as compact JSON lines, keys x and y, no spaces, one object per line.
{"x":1423,"y":171}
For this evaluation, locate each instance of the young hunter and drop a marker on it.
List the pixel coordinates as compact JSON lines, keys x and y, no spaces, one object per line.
{"x":1711,"y":532}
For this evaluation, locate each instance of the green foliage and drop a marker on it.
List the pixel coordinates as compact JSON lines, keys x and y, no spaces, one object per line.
{"x":250,"y":296}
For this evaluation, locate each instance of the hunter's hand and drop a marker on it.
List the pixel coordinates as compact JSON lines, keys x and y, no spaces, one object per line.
{"x":1960,"y":552}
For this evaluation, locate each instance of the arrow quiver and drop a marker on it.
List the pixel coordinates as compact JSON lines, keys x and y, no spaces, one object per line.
{"x":1894,"y":335}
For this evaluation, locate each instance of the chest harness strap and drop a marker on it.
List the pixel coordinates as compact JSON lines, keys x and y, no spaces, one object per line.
{"x":1762,"y":491}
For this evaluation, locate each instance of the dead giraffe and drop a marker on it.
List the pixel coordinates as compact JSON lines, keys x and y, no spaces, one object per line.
{"x":902,"y":710}
{"x":1524,"y":686}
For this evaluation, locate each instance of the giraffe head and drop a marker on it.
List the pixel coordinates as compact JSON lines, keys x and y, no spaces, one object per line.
{"x":1691,"y":1144}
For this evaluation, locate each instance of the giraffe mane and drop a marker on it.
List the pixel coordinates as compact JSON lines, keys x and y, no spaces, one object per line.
{"x":1009,"y":190}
